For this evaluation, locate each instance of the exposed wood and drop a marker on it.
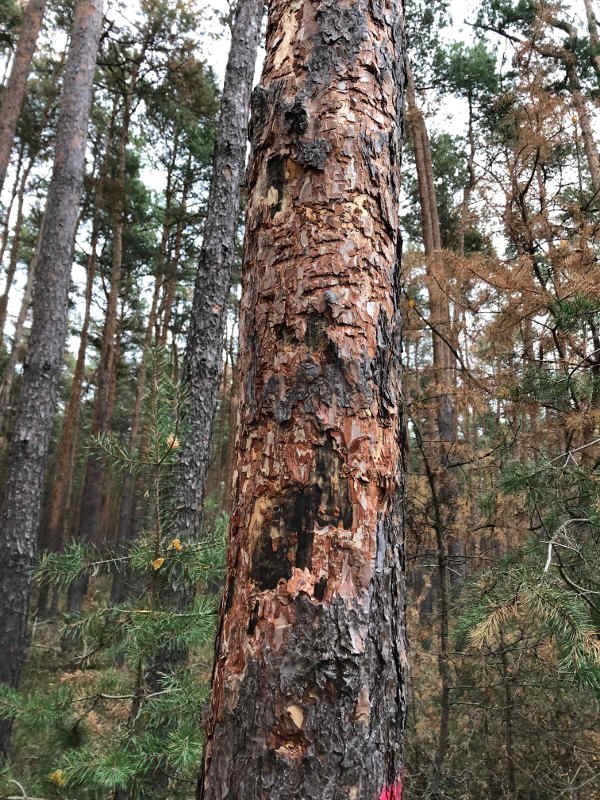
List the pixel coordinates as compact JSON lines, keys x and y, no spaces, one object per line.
{"x":308,"y":693}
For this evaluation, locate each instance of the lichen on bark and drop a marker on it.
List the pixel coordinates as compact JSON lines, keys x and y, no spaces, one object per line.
{"x":308,"y":696}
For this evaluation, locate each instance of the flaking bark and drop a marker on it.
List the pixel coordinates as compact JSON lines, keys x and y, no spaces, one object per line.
{"x":20,"y":511}
{"x":308,"y":693}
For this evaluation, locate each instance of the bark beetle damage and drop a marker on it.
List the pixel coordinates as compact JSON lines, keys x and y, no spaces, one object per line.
{"x":287,"y":536}
{"x":308,"y":691}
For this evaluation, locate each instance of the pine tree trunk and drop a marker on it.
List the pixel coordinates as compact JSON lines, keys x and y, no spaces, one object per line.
{"x":14,"y":252}
{"x":125,"y":523}
{"x":19,"y":347}
{"x":171,"y":272}
{"x":13,"y":94}
{"x":585,"y":121}
{"x":204,"y":351}
{"x":20,"y":511}
{"x":11,"y":202}
{"x":594,"y":40}
{"x":92,"y":499}
{"x":52,"y":537}
{"x":442,"y":480}
{"x":308,"y":693}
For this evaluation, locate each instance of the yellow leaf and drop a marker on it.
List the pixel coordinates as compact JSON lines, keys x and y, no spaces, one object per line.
{"x":58,"y":777}
{"x":411,"y":303}
{"x":175,"y":545}
{"x":157,"y":563}
{"x":172,"y":441}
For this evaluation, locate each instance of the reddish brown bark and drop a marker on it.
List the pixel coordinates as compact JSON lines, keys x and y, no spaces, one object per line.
{"x":12,"y":96}
{"x":308,"y":688}
{"x":58,"y":504}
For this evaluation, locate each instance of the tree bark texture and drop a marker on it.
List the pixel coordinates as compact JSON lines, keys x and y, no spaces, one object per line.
{"x":18,"y":351}
{"x":13,"y":94}
{"x":20,"y":511}
{"x":58,"y":505}
{"x":11,"y":201}
{"x":14,"y":252}
{"x":204,"y":351}
{"x":308,"y":693}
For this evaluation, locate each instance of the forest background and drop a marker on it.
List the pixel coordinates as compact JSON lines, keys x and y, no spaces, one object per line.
{"x":502,"y":388}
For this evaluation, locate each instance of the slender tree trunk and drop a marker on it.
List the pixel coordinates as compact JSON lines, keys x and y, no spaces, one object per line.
{"x":58,"y":505}
{"x":443,"y":484}
{"x":125,"y":524}
{"x":233,"y":412}
{"x":170,"y":284}
{"x":92,"y":500}
{"x":204,"y":352}
{"x":308,"y":691}
{"x":585,"y":122}
{"x":20,"y":511}
{"x":11,"y":202}
{"x":18,"y":344}
{"x":594,"y":41}
{"x":14,"y":252}
{"x":14,"y":92}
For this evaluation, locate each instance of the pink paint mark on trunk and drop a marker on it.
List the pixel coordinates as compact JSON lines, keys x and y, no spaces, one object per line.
{"x":393,"y":792}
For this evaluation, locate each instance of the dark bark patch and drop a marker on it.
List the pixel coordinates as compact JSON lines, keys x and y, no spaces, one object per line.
{"x":320,"y":377}
{"x":384,"y":368}
{"x":230,"y":593}
{"x":296,"y":118}
{"x":276,"y":180}
{"x":313,"y":153}
{"x":336,"y":45}
{"x":259,"y":112}
{"x":251,"y":375}
{"x":320,"y":589}
{"x":377,"y":9}
{"x":287,"y":538}
{"x":270,"y":564}
{"x":253,"y":619}
{"x":316,"y":325}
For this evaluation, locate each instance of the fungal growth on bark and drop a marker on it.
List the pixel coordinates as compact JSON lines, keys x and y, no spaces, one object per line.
{"x":308,"y":695}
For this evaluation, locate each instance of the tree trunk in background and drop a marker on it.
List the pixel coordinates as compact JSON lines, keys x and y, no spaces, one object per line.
{"x":11,"y":201}
{"x":13,"y":94}
{"x":125,"y":523}
{"x":92,"y":499}
{"x":585,"y":121}
{"x":52,"y":537}
{"x":594,"y":40}
{"x":20,"y":511}
{"x":18,"y":348}
{"x":14,"y":252}
{"x":171,"y":271}
{"x":308,"y":693}
{"x":204,"y":352}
